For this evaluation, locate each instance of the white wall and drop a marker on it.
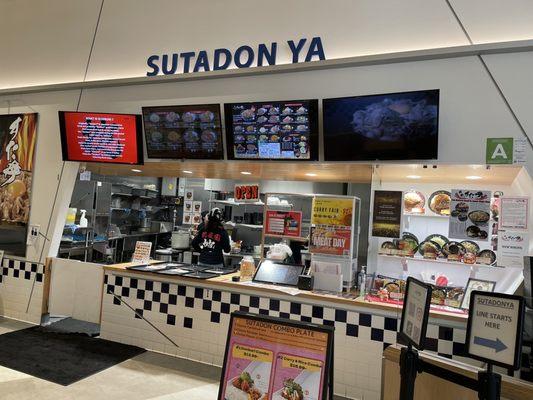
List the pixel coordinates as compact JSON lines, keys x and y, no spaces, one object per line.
{"x":45,"y":41}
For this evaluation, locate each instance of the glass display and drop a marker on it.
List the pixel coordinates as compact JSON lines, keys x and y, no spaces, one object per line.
{"x":277,"y":130}
{"x":396,"y":126}
{"x":101,"y":137}
{"x":183,"y":132}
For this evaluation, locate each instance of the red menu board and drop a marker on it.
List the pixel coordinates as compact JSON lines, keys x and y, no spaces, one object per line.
{"x":271,"y":358}
{"x":284,"y":223}
{"x":101,"y":137}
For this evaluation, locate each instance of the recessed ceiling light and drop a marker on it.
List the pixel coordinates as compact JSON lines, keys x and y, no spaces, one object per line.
{"x":473,"y":177}
{"x":246,"y":173}
{"x":135,"y":170}
{"x":186,"y":171}
{"x":311,"y":174}
{"x":413,"y":176}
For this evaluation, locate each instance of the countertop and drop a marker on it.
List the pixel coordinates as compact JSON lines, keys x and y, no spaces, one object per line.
{"x":225,"y":282}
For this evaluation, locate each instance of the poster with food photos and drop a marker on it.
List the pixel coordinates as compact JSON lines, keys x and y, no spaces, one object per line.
{"x":277,"y":359}
{"x":18,"y":137}
{"x":470,"y":214}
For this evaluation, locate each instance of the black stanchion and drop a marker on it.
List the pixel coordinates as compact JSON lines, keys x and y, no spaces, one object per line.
{"x":409,"y":368}
{"x":489,"y":384}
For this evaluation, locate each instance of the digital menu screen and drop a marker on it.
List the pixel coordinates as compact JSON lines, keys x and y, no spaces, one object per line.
{"x":394,"y":126}
{"x":101,"y":137}
{"x":183,"y":132}
{"x":276,"y":130}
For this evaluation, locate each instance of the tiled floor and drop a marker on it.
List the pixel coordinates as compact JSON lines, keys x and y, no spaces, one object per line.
{"x":148,"y":376}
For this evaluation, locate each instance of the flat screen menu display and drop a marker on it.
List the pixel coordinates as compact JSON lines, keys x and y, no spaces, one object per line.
{"x":183,"y":132}
{"x":275,"y":130}
{"x":396,"y":126}
{"x":101,"y":137}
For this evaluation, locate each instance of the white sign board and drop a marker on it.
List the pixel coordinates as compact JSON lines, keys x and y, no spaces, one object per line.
{"x":512,"y":247}
{"x":514,"y":212}
{"x":415,"y":312}
{"x":142,"y":252}
{"x":495,"y":328}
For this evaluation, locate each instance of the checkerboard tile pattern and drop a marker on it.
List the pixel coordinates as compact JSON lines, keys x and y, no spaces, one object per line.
{"x":154,"y":296}
{"x":21,"y":289}
{"x":197,"y":319}
{"x":22,"y":270}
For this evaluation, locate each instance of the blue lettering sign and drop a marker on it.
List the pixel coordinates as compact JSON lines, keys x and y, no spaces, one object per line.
{"x":244,"y":56}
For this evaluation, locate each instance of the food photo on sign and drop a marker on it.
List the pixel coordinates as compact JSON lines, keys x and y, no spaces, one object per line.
{"x":470,"y":214}
{"x":18,"y":136}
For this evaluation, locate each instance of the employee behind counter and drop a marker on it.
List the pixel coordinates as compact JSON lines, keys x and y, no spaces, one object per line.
{"x":211,"y":241}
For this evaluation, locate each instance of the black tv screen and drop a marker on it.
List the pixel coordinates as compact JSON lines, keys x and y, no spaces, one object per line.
{"x":395,"y":126}
{"x":183,"y":132}
{"x":272,"y":130}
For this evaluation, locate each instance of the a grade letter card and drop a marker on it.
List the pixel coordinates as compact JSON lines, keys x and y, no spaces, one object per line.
{"x":495,"y":328}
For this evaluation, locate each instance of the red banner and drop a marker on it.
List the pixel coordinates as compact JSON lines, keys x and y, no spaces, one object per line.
{"x":331,"y":240}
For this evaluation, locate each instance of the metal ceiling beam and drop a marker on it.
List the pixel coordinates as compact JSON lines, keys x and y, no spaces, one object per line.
{"x":358,"y":61}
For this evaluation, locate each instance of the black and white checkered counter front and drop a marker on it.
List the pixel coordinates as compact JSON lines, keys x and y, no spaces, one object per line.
{"x":189,"y":318}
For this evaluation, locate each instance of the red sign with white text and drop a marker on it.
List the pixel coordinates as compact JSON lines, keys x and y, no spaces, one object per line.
{"x":284,"y":223}
{"x":246,"y":193}
{"x":101,"y":137}
{"x":331,"y":240}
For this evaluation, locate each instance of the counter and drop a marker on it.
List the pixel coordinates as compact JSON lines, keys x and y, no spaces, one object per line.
{"x":189,"y":318}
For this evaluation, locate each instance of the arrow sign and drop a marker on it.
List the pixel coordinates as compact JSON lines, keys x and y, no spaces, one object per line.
{"x":497,"y":344}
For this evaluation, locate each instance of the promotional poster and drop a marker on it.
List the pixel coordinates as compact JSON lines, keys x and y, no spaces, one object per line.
{"x":470,"y":214}
{"x":331,"y":240}
{"x":274,"y":361}
{"x":387,"y":217}
{"x":18,"y":136}
{"x":284,"y":223}
{"x":334,"y":211}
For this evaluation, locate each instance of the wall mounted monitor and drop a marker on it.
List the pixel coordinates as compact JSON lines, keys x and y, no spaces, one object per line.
{"x":272,"y":130}
{"x":395,"y":126}
{"x":183,"y":132}
{"x":101,"y":137}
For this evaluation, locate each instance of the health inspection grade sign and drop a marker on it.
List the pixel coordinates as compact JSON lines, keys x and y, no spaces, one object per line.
{"x":494,"y":328}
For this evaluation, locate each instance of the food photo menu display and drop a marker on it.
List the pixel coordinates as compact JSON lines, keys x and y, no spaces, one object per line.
{"x":279,"y":130}
{"x":189,"y":132}
{"x":268,"y":358}
{"x":101,"y":137}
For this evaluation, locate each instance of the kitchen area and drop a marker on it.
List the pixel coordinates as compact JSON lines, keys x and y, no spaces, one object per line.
{"x":109,"y":214}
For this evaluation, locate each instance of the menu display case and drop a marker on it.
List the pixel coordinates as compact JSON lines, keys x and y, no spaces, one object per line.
{"x":449,"y":237}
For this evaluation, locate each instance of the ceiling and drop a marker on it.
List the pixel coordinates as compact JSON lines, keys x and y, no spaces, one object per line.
{"x":286,"y":171}
{"x":315,"y":172}
{"x":448,"y":173}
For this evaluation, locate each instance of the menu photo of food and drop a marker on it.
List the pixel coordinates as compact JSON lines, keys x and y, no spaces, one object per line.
{"x":249,"y":373}
{"x":282,"y":130}
{"x":297,"y":378}
{"x":183,"y":132}
{"x":470,"y":214}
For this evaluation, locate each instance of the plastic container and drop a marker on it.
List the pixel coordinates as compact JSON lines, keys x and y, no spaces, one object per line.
{"x":83,"y":220}
{"x":247,"y":268}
